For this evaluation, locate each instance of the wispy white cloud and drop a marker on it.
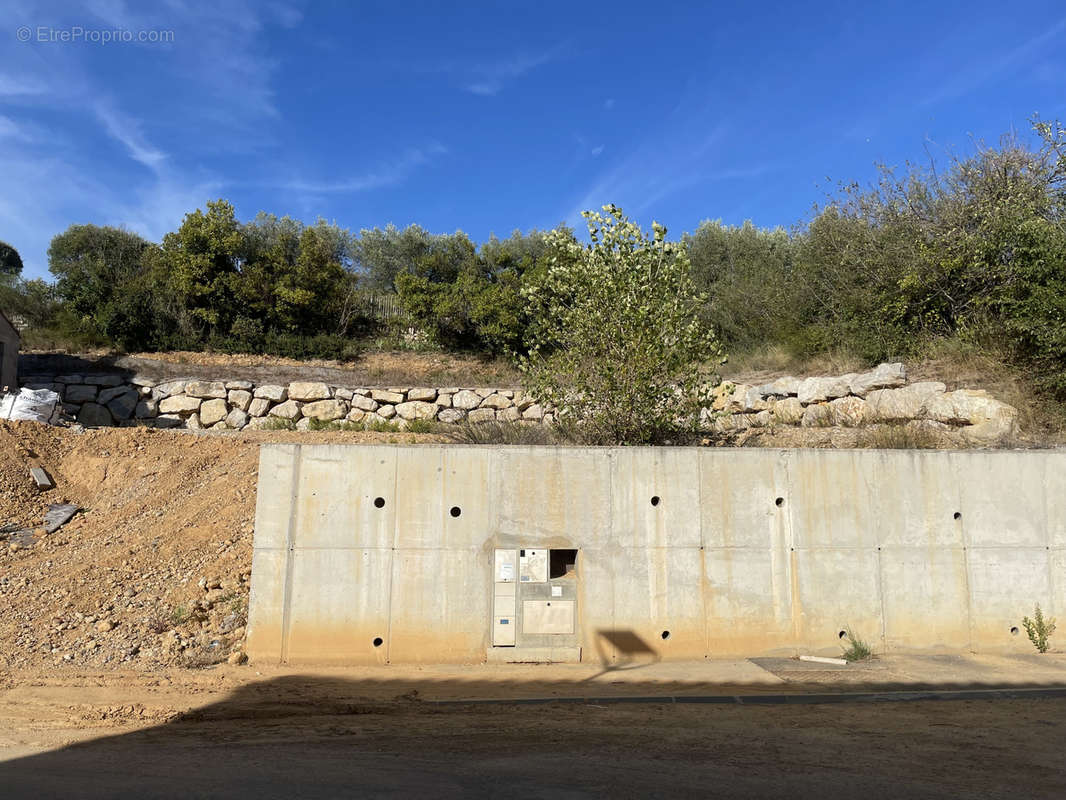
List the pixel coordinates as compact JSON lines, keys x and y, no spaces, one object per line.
{"x":388,"y":173}
{"x":128,"y":131}
{"x":490,"y":79}
{"x":985,"y":68}
{"x":21,"y":86}
{"x":597,"y":150}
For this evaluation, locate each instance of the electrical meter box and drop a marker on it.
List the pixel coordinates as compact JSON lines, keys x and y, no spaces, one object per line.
{"x":535,"y":614}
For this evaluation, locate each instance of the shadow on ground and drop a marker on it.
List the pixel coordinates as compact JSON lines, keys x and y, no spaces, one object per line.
{"x":315,"y":737}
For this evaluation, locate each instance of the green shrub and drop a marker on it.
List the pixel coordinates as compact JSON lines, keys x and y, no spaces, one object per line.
{"x":615,"y":340}
{"x":519,"y":433}
{"x":856,"y":649}
{"x":1039,"y":629}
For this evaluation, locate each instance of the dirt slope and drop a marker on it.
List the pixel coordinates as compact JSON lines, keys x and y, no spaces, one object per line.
{"x":155,"y":569}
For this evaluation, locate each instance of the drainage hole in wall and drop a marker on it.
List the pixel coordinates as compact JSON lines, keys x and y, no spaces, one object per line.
{"x":842,"y":634}
{"x":666,"y":634}
{"x":655,"y":500}
{"x":1014,"y":630}
{"x":779,"y":501}
{"x":379,"y":502}
{"x":456,"y":511}
{"x":378,"y":641}
{"x":957,"y":515}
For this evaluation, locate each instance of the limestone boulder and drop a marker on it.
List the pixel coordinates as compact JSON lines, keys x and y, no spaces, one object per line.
{"x":510,"y":414}
{"x":534,"y":412}
{"x":466,"y":399}
{"x":356,"y":415}
{"x":146,"y":409}
{"x":324,"y":410}
{"x":123,"y":405}
{"x":105,"y":380}
{"x":482,"y":415}
{"x":258,"y":424}
{"x":271,"y":392}
{"x":386,"y":411}
{"x":179,"y":404}
{"x":848,"y":412}
{"x":883,"y":376}
{"x":816,"y":415}
{"x":213,"y":411}
{"x":788,"y":411}
{"x":782,"y":387}
{"x":387,"y":396}
{"x":425,"y":395}
{"x":206,"y":390}
{"x":818,"y":390}
{"x":905,"y":403}
{"x":244,"y":386}
{"x":305,"y":391}
{"x":169,"y":388}
{"x":364,"y":403}
{"x":290,"y":409}
{"x":761,"y":419}
{"x":987,"y":419}
{"x":107,"y":395}
{"x":451,"y":416}
{"x":497,"y":401}
{"x":258,"y":407}
{"x":94,"y":415}
{"x":79,"y":394}
{"x":732,"y":423}
{"x":239,"y":398}
{"x":416,"y":409}
{"x":237,"y":419}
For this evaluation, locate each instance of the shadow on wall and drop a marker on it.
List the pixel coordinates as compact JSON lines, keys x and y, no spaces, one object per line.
{"x":629,"y":651}
{"x":50,"y":365}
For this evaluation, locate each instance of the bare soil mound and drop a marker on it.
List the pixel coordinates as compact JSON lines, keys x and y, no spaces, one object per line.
{"x":154,"y":570}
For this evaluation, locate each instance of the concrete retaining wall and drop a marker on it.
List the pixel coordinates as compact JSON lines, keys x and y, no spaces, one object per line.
{"x":747,"y":552}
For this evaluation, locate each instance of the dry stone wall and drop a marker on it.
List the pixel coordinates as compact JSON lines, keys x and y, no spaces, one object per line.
{"x":880,"y":395}
{"x":112,"y":400}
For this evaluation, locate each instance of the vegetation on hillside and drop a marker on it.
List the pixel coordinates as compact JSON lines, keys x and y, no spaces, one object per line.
{"x":615,"y":341}
{"x":971,"y":251}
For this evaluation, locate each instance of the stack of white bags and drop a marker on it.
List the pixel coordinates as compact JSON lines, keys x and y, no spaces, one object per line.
{"x":33,"y":405}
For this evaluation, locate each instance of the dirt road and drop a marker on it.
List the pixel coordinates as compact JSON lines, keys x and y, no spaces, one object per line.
{"x":228,"y":732}
{"x":239,"y":748}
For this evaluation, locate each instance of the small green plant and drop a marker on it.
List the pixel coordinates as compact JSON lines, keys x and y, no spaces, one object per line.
{"x":1039,"y":629}
{"x":334,"y":425}
{"x":503,"y":433}
{"x":279,"y":424}
{"x":857,"y":648}
{"x":422,"y":426}
{"x":381,"y":426}
{"x":179,"y":615}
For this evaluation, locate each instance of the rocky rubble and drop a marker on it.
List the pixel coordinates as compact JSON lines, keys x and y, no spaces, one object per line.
{"x":881,"y":395}
{"x":153,"y":572}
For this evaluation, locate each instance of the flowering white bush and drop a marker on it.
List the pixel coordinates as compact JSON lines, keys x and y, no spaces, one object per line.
{"x":616,"y":343}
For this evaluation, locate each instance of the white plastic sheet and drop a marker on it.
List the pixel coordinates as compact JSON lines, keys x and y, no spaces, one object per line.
{"x":33,"y":405}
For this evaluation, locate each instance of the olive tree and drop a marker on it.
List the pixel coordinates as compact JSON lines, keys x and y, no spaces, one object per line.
{"x":616,"y":343}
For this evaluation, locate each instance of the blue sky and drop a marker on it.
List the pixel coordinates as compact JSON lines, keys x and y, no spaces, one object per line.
{"x":494,"y":116}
